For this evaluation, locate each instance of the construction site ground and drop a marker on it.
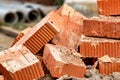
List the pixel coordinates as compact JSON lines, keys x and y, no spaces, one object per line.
{"x":5,"y":41}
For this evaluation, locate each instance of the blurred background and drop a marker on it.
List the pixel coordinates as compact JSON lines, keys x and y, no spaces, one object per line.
{"x":16,"y":15}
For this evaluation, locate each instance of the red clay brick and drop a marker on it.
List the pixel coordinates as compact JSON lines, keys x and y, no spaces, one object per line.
{"x":108,"y":7}
{"x":73,"y":27}
{"x":70,"y":13}
{"x":60,"y":61}
{"x":18,"y":63}
{"x":21,"y":34}
{"x":107,"y":67}
{"x":98,"y":47}
{"x":42,"y":33}
{"x":102,"y":27}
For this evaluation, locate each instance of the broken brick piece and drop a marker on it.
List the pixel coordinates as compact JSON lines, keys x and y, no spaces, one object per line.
{"x":21,"y":34}
{"x":107,"y":67}
{"x":60,"y":61}
{"x":70,"y":13}
{"x":108,"y":27}
{"x":98,"y":47}
{"x":42,"y":32}
{"x":18,"y":63}
{"x":73,"y":27}
{"x":108,"y":7}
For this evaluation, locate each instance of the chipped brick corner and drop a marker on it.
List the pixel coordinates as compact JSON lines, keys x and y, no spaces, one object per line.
{"x":61,"y":61}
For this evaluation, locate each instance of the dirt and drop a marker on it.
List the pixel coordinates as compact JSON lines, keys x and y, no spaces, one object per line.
{"x":5,"y":41}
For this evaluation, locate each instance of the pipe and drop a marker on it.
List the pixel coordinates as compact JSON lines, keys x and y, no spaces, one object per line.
{"x":29,"y":13}
{"x":21,"y":17}
{"x":43,"y":10}
{"x":7,"y":16}
{"x":35,"y":6}
{"x":19,"y":14}
{"x":31,"y":6}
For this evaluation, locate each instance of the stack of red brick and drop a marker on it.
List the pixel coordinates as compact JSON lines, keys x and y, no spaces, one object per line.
{"x":52,"y":46}
{"x":103,"y":34}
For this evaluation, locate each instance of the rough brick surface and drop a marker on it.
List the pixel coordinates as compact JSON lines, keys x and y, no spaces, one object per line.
{"x":73,"y":27}
{"x":108,"y":7}
{"x":60,"y":61}
{"x":98,"y":47}
{"x":18,"y":63}
{"x":43,"y":32}
{"x":68,"y":11}
{"x":109,"y":65}
{"x":21,"y":34}
{"x":102,"y":27}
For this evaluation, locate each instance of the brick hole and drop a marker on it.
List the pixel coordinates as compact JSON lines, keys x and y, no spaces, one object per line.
{"x":40,"y":52}
{"x":50,"y":41}
{"x":51,"y":22}
{"x":89,"y":61}
{"x":69,"y":12}
{"x":78,"y":49}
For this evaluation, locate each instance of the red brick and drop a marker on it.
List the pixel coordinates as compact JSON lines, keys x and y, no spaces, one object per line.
{"x":98,"y":47}
{"x":108,"y":27}
{"x":42,"y":33}
{"x":21,"y":34}
{"x":18,"y":63}
{"x":73,"y":27}
{"x":108,"y":7}
{"x":107,"y":67}
{"x":70,"y":13}
{"x":60,"y":61}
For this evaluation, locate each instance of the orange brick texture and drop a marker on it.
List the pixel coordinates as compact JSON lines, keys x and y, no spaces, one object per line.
{"x":18,"y":63}
{"x":21,"y":34}
{"x":108,"y":7}
{"x":73,"y":27}
{"x":60,"y":61}
{"x":109,"y":68}
{"x":98,"y":47}
{"x":109,"y":65}
{"x":43,"y":32}
{"x":102,"y":27}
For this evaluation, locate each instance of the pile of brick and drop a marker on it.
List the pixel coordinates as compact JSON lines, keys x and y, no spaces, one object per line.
{"x":103,"y":36}
{"x":56,"y":46}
